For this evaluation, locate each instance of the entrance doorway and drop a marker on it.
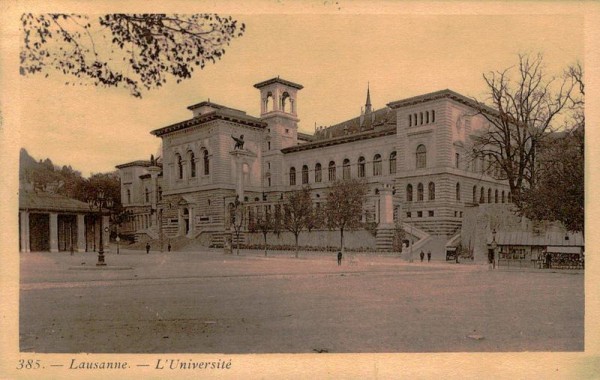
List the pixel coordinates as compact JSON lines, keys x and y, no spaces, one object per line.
{"x":39,"y":232}
{"x":67,"y":232}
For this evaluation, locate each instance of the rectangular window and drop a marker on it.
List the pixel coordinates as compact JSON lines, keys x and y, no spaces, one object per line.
{"x":420,"y":214}
{"x":408,"y":214}
{"x":457,"y":160}
{"x":430,"y":212}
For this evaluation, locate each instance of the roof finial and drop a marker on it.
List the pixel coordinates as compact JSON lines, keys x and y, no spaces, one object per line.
{"x":368,"y":103}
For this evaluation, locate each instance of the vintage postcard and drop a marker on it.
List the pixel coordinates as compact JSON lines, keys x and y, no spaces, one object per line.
{"x":272,"y":189}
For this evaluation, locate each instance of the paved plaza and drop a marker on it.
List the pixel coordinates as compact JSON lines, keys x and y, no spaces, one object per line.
{"x":211,"y":302}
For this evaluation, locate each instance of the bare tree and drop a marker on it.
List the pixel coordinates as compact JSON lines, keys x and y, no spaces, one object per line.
{"x":265,"y":224}
{"x":345,"y":200}
{"x":524,"y":108}
{"x":297,"y":212}
{"x":135,"y":51}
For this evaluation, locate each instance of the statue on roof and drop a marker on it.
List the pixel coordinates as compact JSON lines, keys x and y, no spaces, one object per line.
{"x":152,"y":161}
{"x":239,"y":142}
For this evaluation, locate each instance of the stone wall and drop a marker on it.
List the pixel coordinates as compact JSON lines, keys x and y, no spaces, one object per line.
{"x":321,"y":238}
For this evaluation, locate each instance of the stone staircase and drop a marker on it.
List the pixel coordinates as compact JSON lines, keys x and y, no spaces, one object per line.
{"x":385,"y":239}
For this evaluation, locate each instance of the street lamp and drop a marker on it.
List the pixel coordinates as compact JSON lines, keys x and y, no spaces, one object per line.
{"x":100,"y":202}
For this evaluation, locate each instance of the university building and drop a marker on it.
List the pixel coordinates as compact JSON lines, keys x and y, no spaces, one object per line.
{"x":415,"y":154}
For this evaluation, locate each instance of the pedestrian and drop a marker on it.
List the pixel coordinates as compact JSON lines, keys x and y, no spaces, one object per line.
{"x":428,"y":255}
{"x":169,"y":247}
{"x":340,"y":258}
{"x":147,"y":248}
{"x":548,"y":260}
{"x":422,"y":255}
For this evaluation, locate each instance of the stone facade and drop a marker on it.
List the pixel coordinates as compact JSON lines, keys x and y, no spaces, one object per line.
{"x":414,"y":154}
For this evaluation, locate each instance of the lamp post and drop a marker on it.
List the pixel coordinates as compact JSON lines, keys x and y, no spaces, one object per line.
{"x":100,"y":202}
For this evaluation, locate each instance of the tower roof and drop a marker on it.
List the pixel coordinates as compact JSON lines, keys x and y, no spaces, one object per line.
{"x":368,"y":103}
{"x":279,"y":80}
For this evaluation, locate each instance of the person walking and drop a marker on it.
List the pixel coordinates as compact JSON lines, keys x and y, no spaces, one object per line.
{"x":169,"y":247}
{"x":428,"y":255}
{"x":422,"y":255}
{"x":147,"y":248}
{"x":339,"y":256}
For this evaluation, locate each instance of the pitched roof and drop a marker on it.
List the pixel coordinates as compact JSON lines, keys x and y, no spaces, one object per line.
{"x":441,"y":95}
{"x":144,"y":163}
{"x":39,"y":201}
{"x":208,"y":103}
{"x":383,"y":117}
{"x":384,"y":131}
{"x":279,"y":80}
{"x":227,"y":114}
{"x":544,"y":239}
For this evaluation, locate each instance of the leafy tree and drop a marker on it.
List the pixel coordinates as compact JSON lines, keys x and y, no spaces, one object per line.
{"x":525,"y":106}
{"x":134,"y":51}
{"x":559,"y":195}
{"x":345,"y":200}
{"x":298,"y":212}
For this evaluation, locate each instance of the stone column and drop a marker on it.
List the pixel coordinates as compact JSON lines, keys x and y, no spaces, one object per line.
{"x":385,"y":228}
{"x":106,"y":232}
{"x":191,"y":220}
{"x":81,"y":233}
{"x":386,"y":205}
{"x":154,"y":170}
{"x":25,"y":232}
{"x":239,"y":166}
{"x":53,"y":232}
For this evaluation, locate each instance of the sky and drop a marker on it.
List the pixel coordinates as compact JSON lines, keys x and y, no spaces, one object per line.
{"x":334,"y":56}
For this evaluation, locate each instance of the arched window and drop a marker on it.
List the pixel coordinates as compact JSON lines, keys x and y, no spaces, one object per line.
{"x":377,"y":164}
{"x":458,"y":191}
{"x":482,"y":195}
{"x":502,"y":196}
{"x":206,"y":163}
{"x":284,"y":102}
{"x":346,"y":169}
{"x":474,"y":194}
{"x":420,"y":192}
{"x":421,"y":156}
{"x":128,"y":196}
{"x":427,"y":117}
{"x":147,"y":195}
{"x":159,"y":194}
{"x":393,"y":162}
{"x":433,"y":116}
{"x":420,"y":117}
{"x":305,"y":174}
{"x":192,"y":164}
{"x":410,"y":120}
{"x":496,"y":196}
{"x":431,"y":191}
{"x":489,"y":195}
{"x":292,"y":176}
{"x":318,"y":176}
{"x":509,"y":197}
{"x":269,"y":104}
{"x":361,"y":167}
{"x":409,"y":193}
{"x":332,"y":171}
{"x":179,"y":166}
